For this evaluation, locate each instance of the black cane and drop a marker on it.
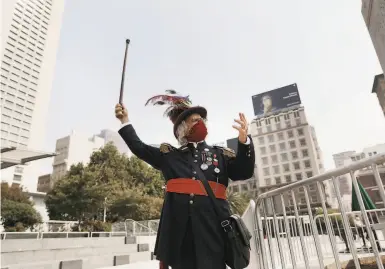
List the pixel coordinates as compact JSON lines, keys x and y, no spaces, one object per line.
{"x":123,"y":73}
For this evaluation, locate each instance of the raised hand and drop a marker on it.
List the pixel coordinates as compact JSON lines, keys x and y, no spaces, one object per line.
{"x":242,"y":128}
{"x":121,"y":113}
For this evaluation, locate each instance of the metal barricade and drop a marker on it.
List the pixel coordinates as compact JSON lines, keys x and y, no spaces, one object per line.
{"x":289,"y":238}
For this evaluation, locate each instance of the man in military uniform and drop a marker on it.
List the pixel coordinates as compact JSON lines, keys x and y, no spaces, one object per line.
{"x":190,"y":235}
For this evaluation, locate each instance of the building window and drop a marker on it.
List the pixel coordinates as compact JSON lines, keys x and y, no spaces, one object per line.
{"x":258,"y":122}
{"x":305,"y":153}
{"x":300,"y":131}
{"x":296,"y":165}
{"x":263,"y":150}
{"x":286,"y":117}
{"x":277,"y":119}
{"x":278,"y":180}
{"x":261,"y":140}
{"x":272,"y":148}
{"x":244,"y":187}
{"x":312,"y":187}
{"x":266,"y":171}
{"x":294,"y":155}
{"x":281,"y":136}
{"x":288,"y":178}
{"x":265,"y":161}
{"x":271,"y":138}
{"x":274,"y":159}
{"x":309,"y":174}
{"x":290,"y":133}
{"x":292,"y":144}
{"x":296,"y":114}
{"x":276,"y":169}
{"x":302,"y":142}
{"x":267,"y":121}
{"x":286,"y":167}
{"x":282,"y":146}
{"x":307,"y":164}
{"x":302,"y":201}
{"x":314,"y":198}
{"x":284,"y":157}
{"x":298,"y":176}
{"x":17,"y":178}
{"x":268,"y":181}
{"x":301,"y":190}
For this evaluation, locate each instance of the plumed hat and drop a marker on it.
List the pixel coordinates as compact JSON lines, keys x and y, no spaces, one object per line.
{"x":180,"y":107}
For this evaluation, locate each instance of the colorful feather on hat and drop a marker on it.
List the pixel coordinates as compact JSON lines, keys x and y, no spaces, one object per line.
{"x":175,"y":100}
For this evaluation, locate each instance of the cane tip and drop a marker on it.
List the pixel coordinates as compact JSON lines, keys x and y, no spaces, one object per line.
{"x":127,"y":41}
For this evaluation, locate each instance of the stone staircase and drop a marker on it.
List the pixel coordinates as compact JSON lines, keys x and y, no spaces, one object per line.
{"x":72,"y":253}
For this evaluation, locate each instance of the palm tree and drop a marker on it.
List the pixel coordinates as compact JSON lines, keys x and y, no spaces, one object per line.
{"x":238,"y":202}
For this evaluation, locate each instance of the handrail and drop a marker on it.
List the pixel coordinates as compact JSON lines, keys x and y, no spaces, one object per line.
{"x":138,"y":223}
{"x":40,"y":235}
{"x":5,"y":234}
{"x":66,"y":233}
{"x":110,"y":234}
{"x":377,"y":159}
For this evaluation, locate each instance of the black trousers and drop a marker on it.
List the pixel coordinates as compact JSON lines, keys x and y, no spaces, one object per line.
{"x":187,"y":258}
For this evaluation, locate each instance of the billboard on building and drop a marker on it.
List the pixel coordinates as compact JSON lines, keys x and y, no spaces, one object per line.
{"x":275,"y":100}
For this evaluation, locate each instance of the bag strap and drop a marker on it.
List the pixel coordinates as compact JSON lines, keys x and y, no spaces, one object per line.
{"x":224,"y":220}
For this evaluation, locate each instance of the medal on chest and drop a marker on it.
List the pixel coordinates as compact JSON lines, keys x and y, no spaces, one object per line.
{"x":208,"y":159}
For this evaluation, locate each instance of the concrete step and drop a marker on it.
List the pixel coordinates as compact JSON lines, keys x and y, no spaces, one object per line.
{"x":19,"y":257}
{"x":39,"y":244}
{"x":139,"y":265}
{"x":91,"y":262}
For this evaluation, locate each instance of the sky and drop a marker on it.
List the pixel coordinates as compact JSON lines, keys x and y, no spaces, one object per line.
{"x":220,"y":52}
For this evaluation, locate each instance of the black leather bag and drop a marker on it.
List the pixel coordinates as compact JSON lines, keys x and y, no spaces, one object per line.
{"x":237,"y":235}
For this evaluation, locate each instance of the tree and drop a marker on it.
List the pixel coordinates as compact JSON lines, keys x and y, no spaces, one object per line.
{"x":238,"y":202}
{"x":135,"y":205}
{"x":146,"y":177}
{"x":17,"y":211}
{"x":76,"y":196}
{"x":126,"y":188}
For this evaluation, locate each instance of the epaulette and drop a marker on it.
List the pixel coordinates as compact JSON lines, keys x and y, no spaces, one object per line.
{"x":166,"y":148}
{"x":227,"y":151}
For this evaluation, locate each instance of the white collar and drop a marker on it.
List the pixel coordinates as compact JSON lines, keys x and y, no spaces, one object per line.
{"x":195,"y":144}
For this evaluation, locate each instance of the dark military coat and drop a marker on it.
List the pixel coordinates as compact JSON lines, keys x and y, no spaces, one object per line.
{"x":178,"y":208}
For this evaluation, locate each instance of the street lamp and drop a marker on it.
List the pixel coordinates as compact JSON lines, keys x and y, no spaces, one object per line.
{"x":105,"y":209}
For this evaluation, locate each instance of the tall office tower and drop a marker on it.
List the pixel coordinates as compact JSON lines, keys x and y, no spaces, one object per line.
{"x":29,"y":43}
{"x":379,"y":89}
{"x":373,"y":12}
{"x":72,"y":149}
{"x":286,"y":147}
